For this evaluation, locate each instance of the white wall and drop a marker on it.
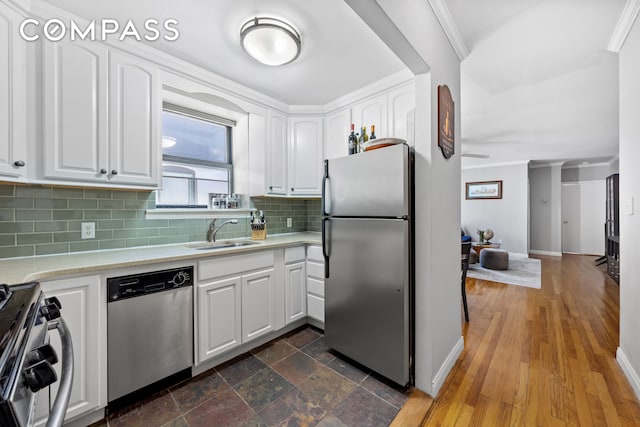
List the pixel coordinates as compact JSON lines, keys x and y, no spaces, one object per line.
{"x":545,"y":202}
{"x":629,"y":351}
{"x":507,"y":217}
{"x":586,"y":172}
{"x":438,"y":340}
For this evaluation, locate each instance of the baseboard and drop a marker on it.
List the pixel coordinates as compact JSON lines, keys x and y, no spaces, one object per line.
{"x":446,"y":367}
{"x":549,"y":253}
{"x":628,"y":370}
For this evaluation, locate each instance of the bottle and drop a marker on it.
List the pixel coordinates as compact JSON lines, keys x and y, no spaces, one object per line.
{"x":363,"y":138}
{"x":353,"y":141}
{"x":373,"y":132}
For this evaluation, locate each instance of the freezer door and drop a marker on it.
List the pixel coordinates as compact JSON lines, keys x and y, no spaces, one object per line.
{"x":367,"y":293}
{"x":370,"y":184}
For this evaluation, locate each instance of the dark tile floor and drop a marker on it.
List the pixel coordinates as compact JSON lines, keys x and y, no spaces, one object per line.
{"x":294,"y":380}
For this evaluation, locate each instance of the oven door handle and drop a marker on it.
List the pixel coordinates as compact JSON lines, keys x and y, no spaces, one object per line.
{"x":59,"y":408}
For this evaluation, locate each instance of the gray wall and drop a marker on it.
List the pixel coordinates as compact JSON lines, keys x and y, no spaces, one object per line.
{"x":629,"y":352}
{"x":36,"y":220}
{"x":546,"y":209}
{"x":507,"y":217}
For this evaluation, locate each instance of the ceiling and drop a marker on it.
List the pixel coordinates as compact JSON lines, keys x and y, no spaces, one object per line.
{"x":340,"y":53}
{"x":539,"y":82}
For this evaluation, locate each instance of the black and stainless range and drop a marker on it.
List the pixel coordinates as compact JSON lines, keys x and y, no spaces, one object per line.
{"x":26,"y":357}
{"x":149,"y":331}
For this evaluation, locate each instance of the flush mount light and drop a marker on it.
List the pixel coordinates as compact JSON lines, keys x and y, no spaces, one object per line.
{"x":270,"y":41}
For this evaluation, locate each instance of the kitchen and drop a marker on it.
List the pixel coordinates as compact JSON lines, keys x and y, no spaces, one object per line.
{"x":67,"y":186}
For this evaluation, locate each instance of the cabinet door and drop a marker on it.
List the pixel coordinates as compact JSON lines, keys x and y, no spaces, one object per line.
{"x":295,"y":291}
{"x":218,"y":317}
{"x":134,"y":156}
{"x":401,"y":101}
{"x":84,"y":312}
{"x":13,"y":95}
{"x":305,"y":155}
{"x":75,"y":110}
{"x":277,"y":154}
{"x":336,"y":134}
{"x":258,"y":314}
{"x":372,"y":112}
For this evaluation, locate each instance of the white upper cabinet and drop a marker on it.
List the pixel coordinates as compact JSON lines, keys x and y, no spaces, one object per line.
{"x":276,"y":179}
{"x":13,"y":95}
{"x":134,"y":155}
{"x":75,"y":110}
{"x":305,"y":156}
{"x":336,"y":132}
{"x":372,"y":111}
{"x":101,"y":116}
{"x":401,"y":101}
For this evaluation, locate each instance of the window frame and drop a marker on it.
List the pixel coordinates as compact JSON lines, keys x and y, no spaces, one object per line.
{"x":186,"y":161}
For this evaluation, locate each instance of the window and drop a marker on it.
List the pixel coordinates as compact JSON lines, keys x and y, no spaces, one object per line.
{"x":196,"y":157}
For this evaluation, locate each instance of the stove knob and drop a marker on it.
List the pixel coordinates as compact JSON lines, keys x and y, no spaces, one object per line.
{"x":40,"y":376}
{"x":180,"y":278}
{"x":44,"y":352}
{"x":51,"y":308}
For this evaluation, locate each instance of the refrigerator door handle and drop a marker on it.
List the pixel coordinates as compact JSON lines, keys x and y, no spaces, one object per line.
{"x":326,"y":195}
{"x":326,"y":248}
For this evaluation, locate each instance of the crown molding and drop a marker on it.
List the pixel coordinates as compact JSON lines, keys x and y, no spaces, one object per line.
{"x":450,"y":29}
{"x":613,"y":159}
{"x":623,"y":27}
{"x":589,"y":165}
{"x":545,"y":165}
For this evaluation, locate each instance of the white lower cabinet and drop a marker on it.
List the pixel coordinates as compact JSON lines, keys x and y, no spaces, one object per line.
{"x":315,"y":283}
{"x":83,"y":301}
{"x":294,"y":284}
{"x":218,"y":318}
{"x":258,"y":314}
{"x":234,"y":302}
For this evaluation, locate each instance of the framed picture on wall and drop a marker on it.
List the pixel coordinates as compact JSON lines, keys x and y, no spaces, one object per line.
{"x":483,"y":190}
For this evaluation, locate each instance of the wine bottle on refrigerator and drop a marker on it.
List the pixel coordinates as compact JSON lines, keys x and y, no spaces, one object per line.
{"x":363,"y":138}
{"x":353,"y":141}
{"x":373,"y":132}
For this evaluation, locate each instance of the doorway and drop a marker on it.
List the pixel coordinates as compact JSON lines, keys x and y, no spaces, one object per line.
{"x":583,"y":217}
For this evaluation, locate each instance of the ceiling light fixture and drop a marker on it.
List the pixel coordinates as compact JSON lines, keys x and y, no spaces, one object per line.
{"x":270,"y":40}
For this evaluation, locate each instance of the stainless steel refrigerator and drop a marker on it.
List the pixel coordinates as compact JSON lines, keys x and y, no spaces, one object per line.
{"x":367,"y":240}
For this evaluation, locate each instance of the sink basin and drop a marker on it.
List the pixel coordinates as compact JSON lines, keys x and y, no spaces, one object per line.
{"x":221,"y":245}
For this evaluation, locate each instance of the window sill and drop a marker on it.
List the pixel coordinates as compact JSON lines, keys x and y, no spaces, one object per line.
{"x":176,"y":213}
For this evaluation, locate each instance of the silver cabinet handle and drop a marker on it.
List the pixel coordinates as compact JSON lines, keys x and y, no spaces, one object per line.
{"x":59,"y":408}
{"x":114,"y":172}
{"x":19,"y":163}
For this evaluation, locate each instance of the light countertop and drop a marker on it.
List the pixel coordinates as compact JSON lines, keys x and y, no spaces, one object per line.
{"x":25,"y":269}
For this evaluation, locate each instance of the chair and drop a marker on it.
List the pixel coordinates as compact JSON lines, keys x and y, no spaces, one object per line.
{"x":466,"y":249}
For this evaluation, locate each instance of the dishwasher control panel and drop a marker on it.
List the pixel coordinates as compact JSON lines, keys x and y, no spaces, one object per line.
{"x":135,"y":285}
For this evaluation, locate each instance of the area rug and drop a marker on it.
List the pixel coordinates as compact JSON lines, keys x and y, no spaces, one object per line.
{"x":522,"y":272}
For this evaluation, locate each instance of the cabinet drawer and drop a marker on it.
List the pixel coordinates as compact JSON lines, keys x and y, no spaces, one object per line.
{"x":294,"y":254}
{"x":315,"y":307}
{"x":315,"y":253}
{"x":315,"y":286}
{"x":315,"y":269}
{"x":225,"y":266}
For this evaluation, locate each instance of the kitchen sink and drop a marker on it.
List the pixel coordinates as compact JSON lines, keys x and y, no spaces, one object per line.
{"x":221,"y":245}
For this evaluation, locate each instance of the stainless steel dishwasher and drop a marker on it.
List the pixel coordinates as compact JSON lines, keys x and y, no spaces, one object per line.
{"x":150,"y":328}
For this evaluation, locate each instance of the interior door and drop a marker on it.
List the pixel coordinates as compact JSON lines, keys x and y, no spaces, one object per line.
{"x":583,"y":217}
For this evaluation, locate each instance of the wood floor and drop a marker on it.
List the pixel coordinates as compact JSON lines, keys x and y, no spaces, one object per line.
{"x":537,"y":357}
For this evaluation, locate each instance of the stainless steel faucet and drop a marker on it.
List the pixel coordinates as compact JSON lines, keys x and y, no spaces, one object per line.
{"x":213,"y":230}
